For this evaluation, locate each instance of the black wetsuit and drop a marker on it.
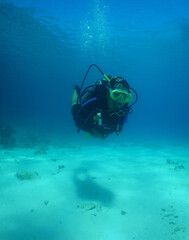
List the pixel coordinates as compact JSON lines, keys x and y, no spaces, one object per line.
{"x":93,"y":112}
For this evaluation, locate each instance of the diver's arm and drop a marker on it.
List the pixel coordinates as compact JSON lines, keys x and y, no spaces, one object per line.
{"x":74,"y":97}
{"x":121,"y":124}
{"x":119,"y":129}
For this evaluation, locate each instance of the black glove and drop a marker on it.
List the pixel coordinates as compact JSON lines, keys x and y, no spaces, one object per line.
{"x":77,"y":88}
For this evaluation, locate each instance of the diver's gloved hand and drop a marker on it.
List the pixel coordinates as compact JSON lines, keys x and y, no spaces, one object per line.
{"x":77,"y":88}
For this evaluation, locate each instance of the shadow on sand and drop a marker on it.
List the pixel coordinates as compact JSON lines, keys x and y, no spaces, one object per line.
{"x":88,"y":189}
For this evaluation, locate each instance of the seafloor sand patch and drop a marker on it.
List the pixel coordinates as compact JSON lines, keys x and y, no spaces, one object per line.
{"x":132,"y":190}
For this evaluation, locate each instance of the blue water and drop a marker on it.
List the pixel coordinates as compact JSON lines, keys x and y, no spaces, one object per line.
{"x":56,"y":184}
{"x":47,"y":46}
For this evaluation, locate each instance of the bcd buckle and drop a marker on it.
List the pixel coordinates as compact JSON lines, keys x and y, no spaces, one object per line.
{"x":120,"y":113}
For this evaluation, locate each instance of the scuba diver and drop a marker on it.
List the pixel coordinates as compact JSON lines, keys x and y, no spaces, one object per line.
{"x":102,"y":108}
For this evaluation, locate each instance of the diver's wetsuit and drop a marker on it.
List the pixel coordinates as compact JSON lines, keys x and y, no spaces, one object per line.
{"x":93,"y":113}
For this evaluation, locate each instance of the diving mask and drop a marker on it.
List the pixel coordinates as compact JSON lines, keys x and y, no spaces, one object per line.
{"x":121,"y":96}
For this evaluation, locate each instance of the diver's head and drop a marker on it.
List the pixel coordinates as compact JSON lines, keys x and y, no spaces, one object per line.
{"x":120,"y":93}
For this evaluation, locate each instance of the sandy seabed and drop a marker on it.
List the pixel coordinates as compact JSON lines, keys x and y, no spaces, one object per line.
{"x":73,"y":191}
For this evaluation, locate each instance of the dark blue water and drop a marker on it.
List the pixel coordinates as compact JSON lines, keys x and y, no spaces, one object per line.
{"x":47,"y":46}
